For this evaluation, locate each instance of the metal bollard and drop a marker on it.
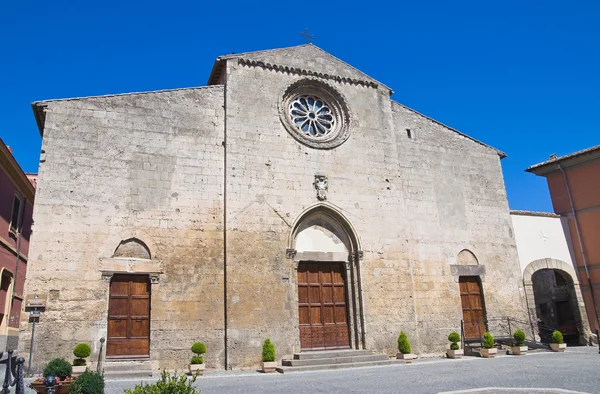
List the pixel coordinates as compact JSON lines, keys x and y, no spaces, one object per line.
{"x":20,"y":385}
{"x":49,"y":383}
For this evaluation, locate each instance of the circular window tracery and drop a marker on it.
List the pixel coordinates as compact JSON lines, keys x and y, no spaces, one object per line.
{"x":312,"y":116}
{"x":315,"y":114}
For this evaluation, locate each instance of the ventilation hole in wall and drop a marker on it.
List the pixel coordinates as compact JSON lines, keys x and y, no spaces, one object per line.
{"x":409,"y":134}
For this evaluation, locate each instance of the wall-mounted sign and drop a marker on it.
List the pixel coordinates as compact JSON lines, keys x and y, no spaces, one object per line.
{"x":35,"y":301}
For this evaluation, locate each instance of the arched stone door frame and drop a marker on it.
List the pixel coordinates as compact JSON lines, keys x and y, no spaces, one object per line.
{"x":336,"y":218}
{"x":554,"y":264}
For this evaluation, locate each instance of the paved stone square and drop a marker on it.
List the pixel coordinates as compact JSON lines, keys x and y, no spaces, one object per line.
{"x":575,"y":371}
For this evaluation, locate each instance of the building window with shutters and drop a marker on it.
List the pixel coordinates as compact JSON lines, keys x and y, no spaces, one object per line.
{"x":16,"y":215}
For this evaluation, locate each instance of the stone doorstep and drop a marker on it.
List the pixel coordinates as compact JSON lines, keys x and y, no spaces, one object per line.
{"x":319,"y":354}
{"x":125,"y":369}
{"x":284,"y":369}
{"x":335,"y":360}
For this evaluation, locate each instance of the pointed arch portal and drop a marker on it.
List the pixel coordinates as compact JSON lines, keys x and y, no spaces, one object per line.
{"x":326,"y":252}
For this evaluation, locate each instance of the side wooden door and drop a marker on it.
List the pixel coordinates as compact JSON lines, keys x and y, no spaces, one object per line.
{"x":472,"y":306}
{"x":322,"y":306}
{"x":129,"y":317}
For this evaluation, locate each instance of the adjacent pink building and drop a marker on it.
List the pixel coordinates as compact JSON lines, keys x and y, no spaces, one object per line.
{"x":17,"y":192}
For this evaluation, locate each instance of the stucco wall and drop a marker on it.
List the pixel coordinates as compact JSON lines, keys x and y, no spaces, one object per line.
{"x":539,"y":237}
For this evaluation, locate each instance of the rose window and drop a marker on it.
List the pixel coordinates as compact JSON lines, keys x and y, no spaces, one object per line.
{"x":312,"y":116}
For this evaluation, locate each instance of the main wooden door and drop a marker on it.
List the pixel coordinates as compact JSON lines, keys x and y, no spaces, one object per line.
{"x":129,"y":316}
{"x":322,"y":306}
{"x":472,"y":306}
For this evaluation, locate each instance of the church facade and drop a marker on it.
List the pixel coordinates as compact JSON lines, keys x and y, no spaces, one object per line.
{"x":289,"y":199}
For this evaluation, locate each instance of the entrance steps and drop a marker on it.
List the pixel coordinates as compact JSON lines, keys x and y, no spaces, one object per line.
{"x":323,"y":360}
{"x":126,"y":369}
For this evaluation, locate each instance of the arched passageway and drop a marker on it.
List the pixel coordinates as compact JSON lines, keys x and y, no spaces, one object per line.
{"x":554,"y":300}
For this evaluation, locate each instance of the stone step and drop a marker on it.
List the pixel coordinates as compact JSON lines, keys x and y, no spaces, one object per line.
{"x":117,"y":369}
{"x":330,"y":354}
{"x":116,"y":375}
{"x":335,"y":360}
{"x":285,"y":369}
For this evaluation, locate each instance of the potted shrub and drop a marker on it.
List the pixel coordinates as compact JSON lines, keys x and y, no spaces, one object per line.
{"x":558,"y":344}
{"x":61,"y":369}
{"x":455,"y":351}
{"x":488,"y":351}
{"x":404,"y":350}
{"x":88,"y":383}
{"x":81,"y":351}
{"x":268,"y":363}
{"x":519,"y":349}
{"x":197,"y":363}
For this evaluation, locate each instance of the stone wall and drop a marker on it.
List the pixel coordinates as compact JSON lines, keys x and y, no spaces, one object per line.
{"x":160,"y":167}
{"x":415,"y":204}
{"x":148,"y":166}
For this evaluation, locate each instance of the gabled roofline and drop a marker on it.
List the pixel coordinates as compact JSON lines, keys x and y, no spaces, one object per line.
{"x":499,"y":152}
{"x":214,"y":75}
{"x":566,"y":161}
{"x":519,"y":212}
{"x":40,"y":106}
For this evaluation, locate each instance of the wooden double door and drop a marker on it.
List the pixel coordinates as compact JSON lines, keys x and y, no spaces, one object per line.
{"x":322,"y":306}
{"x":129,"y":317}
{"x":471,"y":298}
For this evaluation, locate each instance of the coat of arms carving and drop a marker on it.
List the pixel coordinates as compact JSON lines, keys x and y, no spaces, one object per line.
{"x":321,"y":185}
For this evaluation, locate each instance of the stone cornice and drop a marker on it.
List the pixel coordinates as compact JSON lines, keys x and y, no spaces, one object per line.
{"x":14,"y":171}
{"x":301,"y":71}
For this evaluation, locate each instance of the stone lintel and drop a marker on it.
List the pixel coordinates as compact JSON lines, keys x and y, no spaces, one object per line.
{"x":321,"y":256}
{"x":109,"y":266}
{"x":467,"y":270}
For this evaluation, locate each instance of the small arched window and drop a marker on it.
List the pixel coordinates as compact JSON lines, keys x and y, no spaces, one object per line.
{"x":466,"y":257}
{"x":132,"y":248}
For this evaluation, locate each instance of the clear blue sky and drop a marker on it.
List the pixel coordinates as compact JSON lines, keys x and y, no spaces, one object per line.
{"x":522,"y":76}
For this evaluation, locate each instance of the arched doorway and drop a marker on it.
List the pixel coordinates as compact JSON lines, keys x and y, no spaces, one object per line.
{"x":554,"y":300}
{"x":128,"y":331}
{"x":325,"y":250}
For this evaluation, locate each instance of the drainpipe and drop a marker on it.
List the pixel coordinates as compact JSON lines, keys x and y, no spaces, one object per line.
{"x":19,"y":236}
{"x":587,"y":272}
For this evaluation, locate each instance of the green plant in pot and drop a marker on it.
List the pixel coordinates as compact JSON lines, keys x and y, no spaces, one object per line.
{"x":197,"y":362}
{"x":268,"y":363}
{"x":81,"y":352}
{"x":88,"y":383}
{"x":61,"y":369}
{"x":488,"y":350}
{"x":558,"y":344}
{"x":404,"y":350}
{"x":519,"y":349}
{"x":455,"y":351}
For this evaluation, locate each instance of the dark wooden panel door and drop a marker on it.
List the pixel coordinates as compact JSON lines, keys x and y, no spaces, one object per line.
{"x":129,"y":316}
{"x":322,"y":306}
{"x":472,"y":306}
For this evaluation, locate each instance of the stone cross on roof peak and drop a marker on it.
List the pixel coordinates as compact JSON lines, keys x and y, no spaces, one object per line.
{"x":306,"y":35}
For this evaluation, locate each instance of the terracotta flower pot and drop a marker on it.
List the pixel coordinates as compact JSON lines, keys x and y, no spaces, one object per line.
{"x":558,"y":347}
{"x":197,"y":369}
{"x":519,"y":350}
{"x":406,"y":357}
{"x":488,"y":353}
{"x":59,"y":388}
{"x":454,"y":353}
{"x":268,"y":366}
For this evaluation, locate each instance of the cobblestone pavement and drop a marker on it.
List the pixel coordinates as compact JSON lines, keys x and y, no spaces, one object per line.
{"x":575,"y":371}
